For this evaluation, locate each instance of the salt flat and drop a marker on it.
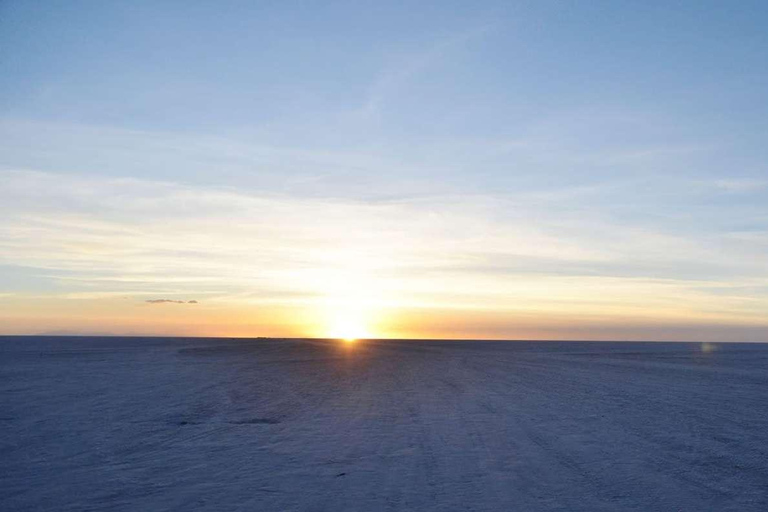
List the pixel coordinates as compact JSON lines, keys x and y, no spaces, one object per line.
{"x":211,"y":424}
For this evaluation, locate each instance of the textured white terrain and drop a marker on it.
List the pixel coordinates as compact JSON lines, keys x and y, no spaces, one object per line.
{"x":271,"y":425}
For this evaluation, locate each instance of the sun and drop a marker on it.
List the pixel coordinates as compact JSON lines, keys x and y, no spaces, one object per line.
{"x":349,"y":327}
{"x":351,"y":308}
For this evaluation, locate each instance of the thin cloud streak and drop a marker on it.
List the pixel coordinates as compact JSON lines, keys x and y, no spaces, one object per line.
{"x":170,"y":301}
{"x":466,"y":254}
{"x":411,"y":63}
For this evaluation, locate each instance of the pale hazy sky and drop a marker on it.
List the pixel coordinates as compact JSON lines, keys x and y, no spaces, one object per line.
{"x":570,"y":170}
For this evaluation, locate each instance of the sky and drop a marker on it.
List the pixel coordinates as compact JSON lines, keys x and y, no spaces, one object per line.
{"x":484,"y":170}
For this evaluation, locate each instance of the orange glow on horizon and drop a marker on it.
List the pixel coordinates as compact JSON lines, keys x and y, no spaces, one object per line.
{"x":354,"y":318}
{"x":349,"y":327}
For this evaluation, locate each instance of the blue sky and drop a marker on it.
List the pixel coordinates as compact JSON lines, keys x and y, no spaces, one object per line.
{"x":527,"y":169}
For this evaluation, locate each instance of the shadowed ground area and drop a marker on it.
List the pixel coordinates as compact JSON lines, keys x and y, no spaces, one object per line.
{"x":213,"y":424}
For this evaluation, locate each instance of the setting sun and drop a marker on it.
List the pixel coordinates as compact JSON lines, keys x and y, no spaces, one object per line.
{"x":349,"y":328}
{"x":353,"y":303}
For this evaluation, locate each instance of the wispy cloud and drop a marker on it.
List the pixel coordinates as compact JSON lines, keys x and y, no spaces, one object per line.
{"x":408,"y":64}
{"x":170,"y":301}
{"x":523,"y":253}
{"x":741,"y":185}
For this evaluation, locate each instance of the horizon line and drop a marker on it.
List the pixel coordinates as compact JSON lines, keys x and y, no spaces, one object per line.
{"x":291,"y":338}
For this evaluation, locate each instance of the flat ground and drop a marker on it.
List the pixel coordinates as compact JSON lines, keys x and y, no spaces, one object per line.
{"x":269,"y":425}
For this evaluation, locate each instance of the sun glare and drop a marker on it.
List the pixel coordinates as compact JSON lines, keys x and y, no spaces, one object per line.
{"x":349,"y":328}
{"x":353,"y":303}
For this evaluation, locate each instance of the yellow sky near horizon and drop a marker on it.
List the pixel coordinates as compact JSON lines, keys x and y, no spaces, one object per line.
{"x":131,"y":316}
{"x":112,"y":256}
